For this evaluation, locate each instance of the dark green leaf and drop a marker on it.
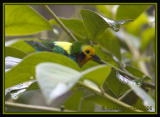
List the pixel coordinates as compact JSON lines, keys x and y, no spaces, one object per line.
{"x":105,"y":56}
{"x":75,"y":25}
{"x":110,"y":42}
{"x":33,"y":86}
{"x":14,"y":52}
{"x":115,"y":85}
{"x":94,"y":23}
{"x":136,"y":72}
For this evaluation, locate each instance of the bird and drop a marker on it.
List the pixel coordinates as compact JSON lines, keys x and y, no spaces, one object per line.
{"x":78,"y":51}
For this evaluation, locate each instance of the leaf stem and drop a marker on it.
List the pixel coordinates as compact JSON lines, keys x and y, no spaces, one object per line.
{"x":35,"y":107}
{"x":60,"y":23}
{"x":110,"y":98}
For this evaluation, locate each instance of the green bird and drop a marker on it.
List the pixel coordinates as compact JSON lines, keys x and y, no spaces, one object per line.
{"x":77,"y":51}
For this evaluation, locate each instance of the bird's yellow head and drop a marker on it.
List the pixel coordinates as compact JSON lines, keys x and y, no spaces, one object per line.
{"x":90,"y":54}
{"x":88,"y":51}
{"x":82,"y":53}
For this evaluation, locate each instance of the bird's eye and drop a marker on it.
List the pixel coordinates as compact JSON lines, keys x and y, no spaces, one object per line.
{"x":87,"y":51}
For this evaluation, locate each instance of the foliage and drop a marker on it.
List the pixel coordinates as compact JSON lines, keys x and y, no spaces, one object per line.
{"x":110,"y":87}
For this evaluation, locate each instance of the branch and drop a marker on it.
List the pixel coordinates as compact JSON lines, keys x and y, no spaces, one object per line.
{"x":111,"y":98}
{"x":35,"y":107}
{"x":60,"y":23}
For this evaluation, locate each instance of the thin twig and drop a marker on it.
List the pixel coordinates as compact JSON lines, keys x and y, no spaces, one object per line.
{"x":60,"y":23}
{"x":35,"y":107}
{"x":125,"y":94}
{"x":111,"y":98}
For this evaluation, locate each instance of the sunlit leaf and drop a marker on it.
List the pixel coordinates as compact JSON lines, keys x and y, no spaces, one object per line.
{"x":130,"y":11}
{"x":135,"y":27}
{"x":55,"y":79}
{"x":97,"y":74}
{"x":26,"y":69}
{"x":23,"y":20}
{"x":23,"y":46}
{"x":104,"y":10}
{"x":147,"y":36}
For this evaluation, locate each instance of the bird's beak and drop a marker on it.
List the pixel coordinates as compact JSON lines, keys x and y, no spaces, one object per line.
{"x":97,"y":59}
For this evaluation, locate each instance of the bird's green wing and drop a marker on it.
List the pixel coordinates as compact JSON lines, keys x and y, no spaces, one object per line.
{"x":46,"y":45}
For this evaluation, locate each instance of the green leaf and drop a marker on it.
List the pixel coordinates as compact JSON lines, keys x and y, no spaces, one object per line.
{"x":147,"y":36}
{"x":14,"y":52}
{"x":94,"y":23}
{"x":110,"y":42}
{"x":89,"y":64}
{"x":33,"y":86}
{"x":139,"y":105}
{"x":87,"y":106}
{"x":135,"y":27}
{"x":106,"y":56}
{"x":116,"y":85}
{"x":147,"y":100}
{"x":134,"y":71}
{"x":55,"y":79}
{"x":130,"y":11}
{"x":23,"y":20}
{"x":76,"y":26}
{"x":130,"y":98}
{"x":23,"y":46}
{"x":97,"y":74}
{"x":73,"y":102}
{"x":26,"y":69}
{"x":108,"y":104}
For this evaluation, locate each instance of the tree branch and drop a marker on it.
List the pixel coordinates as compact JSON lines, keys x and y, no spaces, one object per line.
{"x":60,"y":23}
{"x":111,"y":98}
{"x":35,"y":107}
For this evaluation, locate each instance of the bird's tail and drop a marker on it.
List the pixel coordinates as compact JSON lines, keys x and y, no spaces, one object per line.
{"x":38,"y":46}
